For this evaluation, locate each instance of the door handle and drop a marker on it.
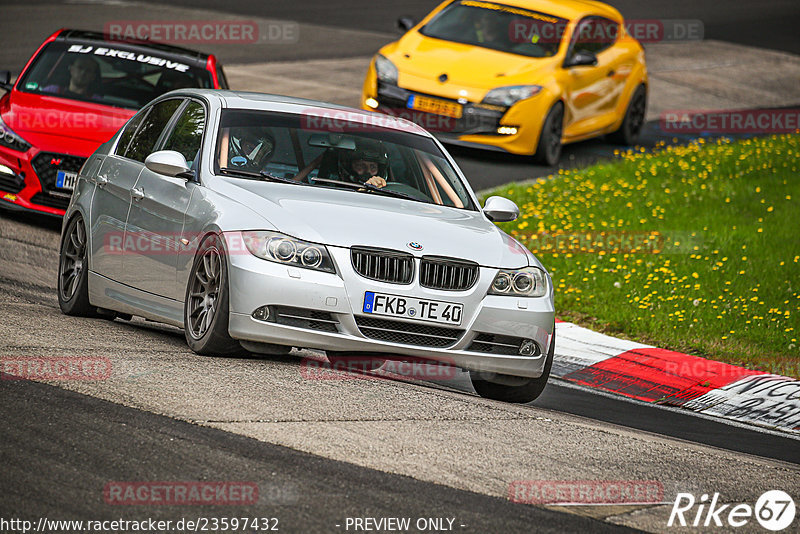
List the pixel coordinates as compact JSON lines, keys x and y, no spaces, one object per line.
{"x":611,"y":73}
{"x":137,"y":193}
{"x":101,"y":181}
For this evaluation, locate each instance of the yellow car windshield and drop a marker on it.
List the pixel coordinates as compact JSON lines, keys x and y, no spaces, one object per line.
{"x":498,"y":27}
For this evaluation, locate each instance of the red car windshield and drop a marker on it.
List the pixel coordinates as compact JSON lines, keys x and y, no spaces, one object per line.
{"x":108,"y":74}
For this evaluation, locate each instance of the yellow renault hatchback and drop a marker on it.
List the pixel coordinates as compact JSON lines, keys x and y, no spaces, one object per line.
{"x":523,"y":76}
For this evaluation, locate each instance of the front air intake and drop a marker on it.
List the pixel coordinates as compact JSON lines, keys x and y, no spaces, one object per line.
{"x":383,"y":265}
{"x":447,"y":273}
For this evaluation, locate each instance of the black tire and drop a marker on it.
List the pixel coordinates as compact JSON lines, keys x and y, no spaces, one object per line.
{"x":631,"y":127}
{"x":548,"y":151}
{"x":529,"y":390}
{"x":206,"y":308}
{"x":73,"y":271}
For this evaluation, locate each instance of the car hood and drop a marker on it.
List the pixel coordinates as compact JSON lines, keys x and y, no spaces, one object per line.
{"x":418,"y":58}
{"x":46,"y":121}
{"x":347,"y":218}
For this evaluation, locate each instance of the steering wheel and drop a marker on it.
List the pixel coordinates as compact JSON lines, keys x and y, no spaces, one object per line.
{"x":135,"y":81}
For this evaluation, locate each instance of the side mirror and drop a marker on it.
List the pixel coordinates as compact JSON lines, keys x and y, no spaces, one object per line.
{"x":5,"y":80}
{"x":405,"y":23}
{"x":581,"y":59}
{"x":168,"y":163}
{"x":499,"y":209}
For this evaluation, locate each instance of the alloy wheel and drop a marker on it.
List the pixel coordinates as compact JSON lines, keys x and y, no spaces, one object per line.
{"x":204,"y":293}
{"x":72,"y":261}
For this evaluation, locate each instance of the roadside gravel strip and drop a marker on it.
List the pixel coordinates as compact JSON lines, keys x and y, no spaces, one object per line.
{"x":661,"y":376}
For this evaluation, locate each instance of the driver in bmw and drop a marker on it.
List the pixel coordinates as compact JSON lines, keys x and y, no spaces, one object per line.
{"x":368,"y":163}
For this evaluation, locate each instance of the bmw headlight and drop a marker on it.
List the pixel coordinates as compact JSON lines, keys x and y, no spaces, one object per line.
{"x":507,"y":96}
{"x":527,"y":282}
{"x":10,"y":139}
{"x":385,"y":70}
{"x":280,"y":248}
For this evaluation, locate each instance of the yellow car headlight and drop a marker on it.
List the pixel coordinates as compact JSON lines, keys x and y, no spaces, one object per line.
{"x":510,"y":94}
{"x":385,"y":70}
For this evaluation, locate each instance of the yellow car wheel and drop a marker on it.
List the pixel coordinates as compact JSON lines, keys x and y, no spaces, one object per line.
{"x":631,"y":128}
{"x":548,"y":151}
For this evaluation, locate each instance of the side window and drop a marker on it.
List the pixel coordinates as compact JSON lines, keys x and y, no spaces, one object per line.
{"x":127,"y":133}
{"x":595,"y":34}
{"x":188,"y":132}
{"x":144,"y":141}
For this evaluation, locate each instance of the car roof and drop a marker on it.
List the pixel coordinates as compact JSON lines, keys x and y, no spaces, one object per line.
{"x":85,"y":36}
{"x":568,"y":9}
{"x":303,"y":106}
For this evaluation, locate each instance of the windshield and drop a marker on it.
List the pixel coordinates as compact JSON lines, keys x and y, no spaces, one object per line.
{"x":357,"y":157}
{"x":109,"y":75}
{"x":498,"y":27}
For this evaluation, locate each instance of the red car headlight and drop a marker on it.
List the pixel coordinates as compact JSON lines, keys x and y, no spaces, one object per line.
{"x":10,"y":139}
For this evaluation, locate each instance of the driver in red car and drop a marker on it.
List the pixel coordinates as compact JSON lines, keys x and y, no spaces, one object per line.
{"x":83,"y":74}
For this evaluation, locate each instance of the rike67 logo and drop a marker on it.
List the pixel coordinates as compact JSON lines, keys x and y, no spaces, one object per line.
{"x":774,"y":510}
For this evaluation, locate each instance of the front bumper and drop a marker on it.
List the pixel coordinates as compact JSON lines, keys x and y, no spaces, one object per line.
{"x":339,"y":298}
{"x":33,"y":185}
{"x":478,"y":125}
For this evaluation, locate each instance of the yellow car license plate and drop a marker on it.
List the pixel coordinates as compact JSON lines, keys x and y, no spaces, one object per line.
{"x":434,"y":105}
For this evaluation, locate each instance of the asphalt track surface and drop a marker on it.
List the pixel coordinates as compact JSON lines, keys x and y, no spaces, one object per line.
{"x":369,"y":24}
{"x":98,"y":441}
{"x":766,"y":24}
{"x":60,"y":447}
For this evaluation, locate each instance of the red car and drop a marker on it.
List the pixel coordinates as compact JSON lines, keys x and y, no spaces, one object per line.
{"x":73,"y":95}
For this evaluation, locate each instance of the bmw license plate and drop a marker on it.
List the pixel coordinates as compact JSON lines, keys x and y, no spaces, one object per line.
{"x":66,"y":180}
{"x":434,"y":311}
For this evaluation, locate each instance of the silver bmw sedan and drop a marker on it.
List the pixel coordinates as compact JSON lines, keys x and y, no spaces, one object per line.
{"x":260,"y":223}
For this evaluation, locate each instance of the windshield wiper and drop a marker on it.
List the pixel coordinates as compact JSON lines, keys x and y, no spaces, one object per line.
{"x":281,"y":179}
{"x":259,"y":175}
{"x":368,"y":187}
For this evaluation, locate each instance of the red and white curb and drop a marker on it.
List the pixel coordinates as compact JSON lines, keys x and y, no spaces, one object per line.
{"x":661,"y":376}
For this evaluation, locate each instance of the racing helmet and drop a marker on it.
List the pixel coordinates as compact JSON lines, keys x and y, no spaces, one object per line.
{"x":251,"y":147}
{"x":352,"y":162}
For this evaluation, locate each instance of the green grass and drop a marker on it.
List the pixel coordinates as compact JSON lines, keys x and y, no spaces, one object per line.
{"x":710,"y":256}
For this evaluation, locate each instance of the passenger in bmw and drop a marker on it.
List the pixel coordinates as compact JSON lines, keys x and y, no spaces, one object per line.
{"x":250,"y":148}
